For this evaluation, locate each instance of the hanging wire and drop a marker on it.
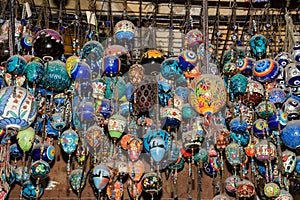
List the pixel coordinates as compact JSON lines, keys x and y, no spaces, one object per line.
{"x":218,"y":34}
{"x":235,"y":25}
{"x":101,"y":30}
{"x":205,"y":35}
{"x":2,"y":14}
{"x":110,"y":18}
{"x":96,"y":22}
{"x":200,"y":25}
{"x":246,"y":24}
{"x":171,"y":34}
{"x":33,"y":7}
{"x":162,"y":18}
{"x":216,"y":22}
{"x":187,"y":22}
{"x":272,"y":36}
{"x":290,"y":40}
{"x":49,"y":11}
{"x":92,"y":33}
{"x":140,"y":24}
{"x":77,"y":29}
{"x":124,"y":15}
{"x":230,"y":20}
{"x":18,"y":10}
{"x":274,"y":33}
{"x":11,"y":38}
{"x":43,"y":15}
{"x":153,"y":26}
{"x":22,"y":25}
{"x":60,"y":17}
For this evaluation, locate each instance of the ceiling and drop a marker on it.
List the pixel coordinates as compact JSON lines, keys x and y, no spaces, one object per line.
{"x":223,"y":15}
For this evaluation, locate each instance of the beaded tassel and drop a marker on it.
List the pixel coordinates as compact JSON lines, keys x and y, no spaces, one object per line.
{"x":69,"y":165}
